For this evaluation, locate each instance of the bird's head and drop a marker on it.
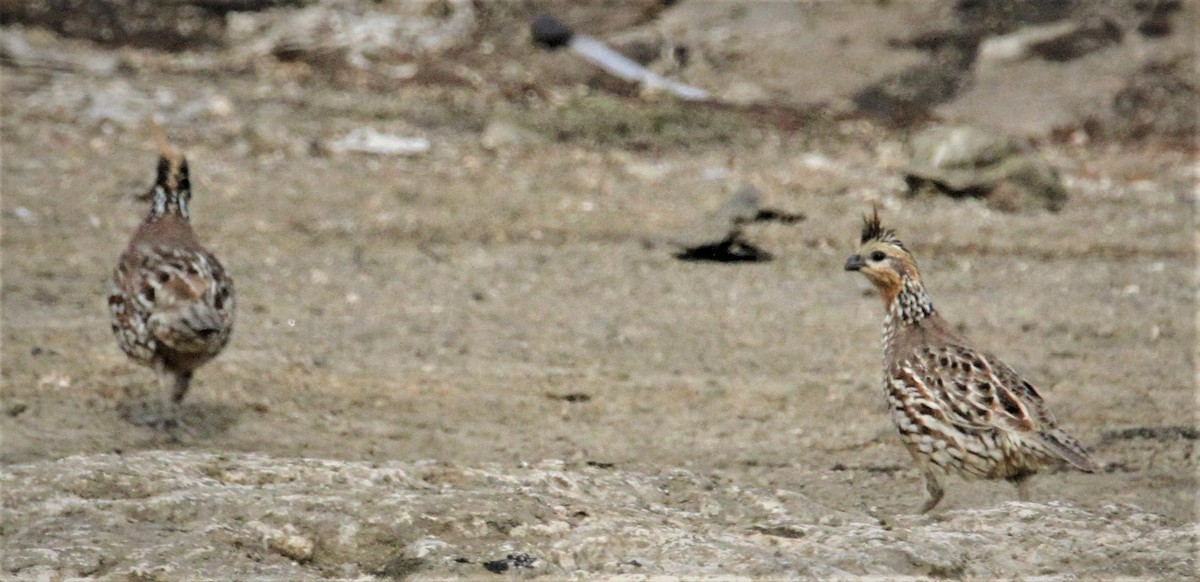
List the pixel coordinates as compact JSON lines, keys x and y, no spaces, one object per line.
{"x":172,"y":190}
{"x":882,"y":258}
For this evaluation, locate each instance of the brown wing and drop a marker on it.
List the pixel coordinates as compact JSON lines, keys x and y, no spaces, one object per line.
{"x":966,"y":384}
{"x":981,"y":393}
{"x":943,"y":430}
{"x":129,"y":313}
{"x":1026,"y":393}
{"x":1059,"y":442}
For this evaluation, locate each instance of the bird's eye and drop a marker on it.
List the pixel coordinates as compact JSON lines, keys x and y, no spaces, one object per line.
{"x":878,"y":256}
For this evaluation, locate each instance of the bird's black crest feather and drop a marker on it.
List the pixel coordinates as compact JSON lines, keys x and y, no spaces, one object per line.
{"x":173,"y":174}
{"x":873,"y":229}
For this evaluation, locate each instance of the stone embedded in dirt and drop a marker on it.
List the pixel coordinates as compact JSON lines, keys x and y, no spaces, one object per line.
{"x":1061,"y":41}
{"x":361,"y":34}
{"x":367,"y":140}
{"x":964,"y":161}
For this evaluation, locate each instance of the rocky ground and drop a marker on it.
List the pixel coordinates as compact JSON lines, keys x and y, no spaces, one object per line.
{"x":168,"y":515}
{"x":480,"y":354}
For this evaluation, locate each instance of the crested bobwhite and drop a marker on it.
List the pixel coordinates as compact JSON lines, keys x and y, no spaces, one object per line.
{"x":170,"y":300}
{"x":959,"y":410}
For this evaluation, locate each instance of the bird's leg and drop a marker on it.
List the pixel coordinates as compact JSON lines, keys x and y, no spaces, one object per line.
{"x":172,"y":386}
{"x":1022,"y":482}
{"x":182,"y":381}
{"x":933,"y":490}
{"x":165,"y":377}
{"x":172,"y":401}
{"x":143,"y":411}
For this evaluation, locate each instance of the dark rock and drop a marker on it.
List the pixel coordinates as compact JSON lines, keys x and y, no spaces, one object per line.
{"x":1090,"y":36}
{"x":721,"y":236}
{"x":510,"y":561}
{"x":171,"y":26}
{"x":550,"y":32}
{"x":1157,"y":16}
{"x":963,"y":161}
{"x":1161,"y":99}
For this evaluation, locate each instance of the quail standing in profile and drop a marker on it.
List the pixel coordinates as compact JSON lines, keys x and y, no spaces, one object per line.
{"x":170,"y":300}
{"x":959,"y":410}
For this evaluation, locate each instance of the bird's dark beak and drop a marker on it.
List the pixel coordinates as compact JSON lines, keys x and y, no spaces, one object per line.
{"x":855,"y":262}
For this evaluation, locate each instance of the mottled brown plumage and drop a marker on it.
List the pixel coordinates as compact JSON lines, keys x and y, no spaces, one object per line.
{"x":170,"y":301}
{"x":959,"y":410}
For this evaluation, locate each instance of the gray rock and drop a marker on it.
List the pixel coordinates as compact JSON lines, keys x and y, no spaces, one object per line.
{"x":16,"y":50}
{"x":969,"y":161}
{"x":357,"y":33}
{"x":369,"y":141}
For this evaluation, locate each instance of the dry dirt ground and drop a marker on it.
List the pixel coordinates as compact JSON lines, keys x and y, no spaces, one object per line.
{"x":491,"y":341}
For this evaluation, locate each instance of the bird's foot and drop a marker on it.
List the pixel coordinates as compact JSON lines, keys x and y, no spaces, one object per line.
{"x":165,"y":419}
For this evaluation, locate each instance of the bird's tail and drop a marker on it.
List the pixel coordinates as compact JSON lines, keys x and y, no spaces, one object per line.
{"x":1070,"y":450}
{"x":196,"y":328}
